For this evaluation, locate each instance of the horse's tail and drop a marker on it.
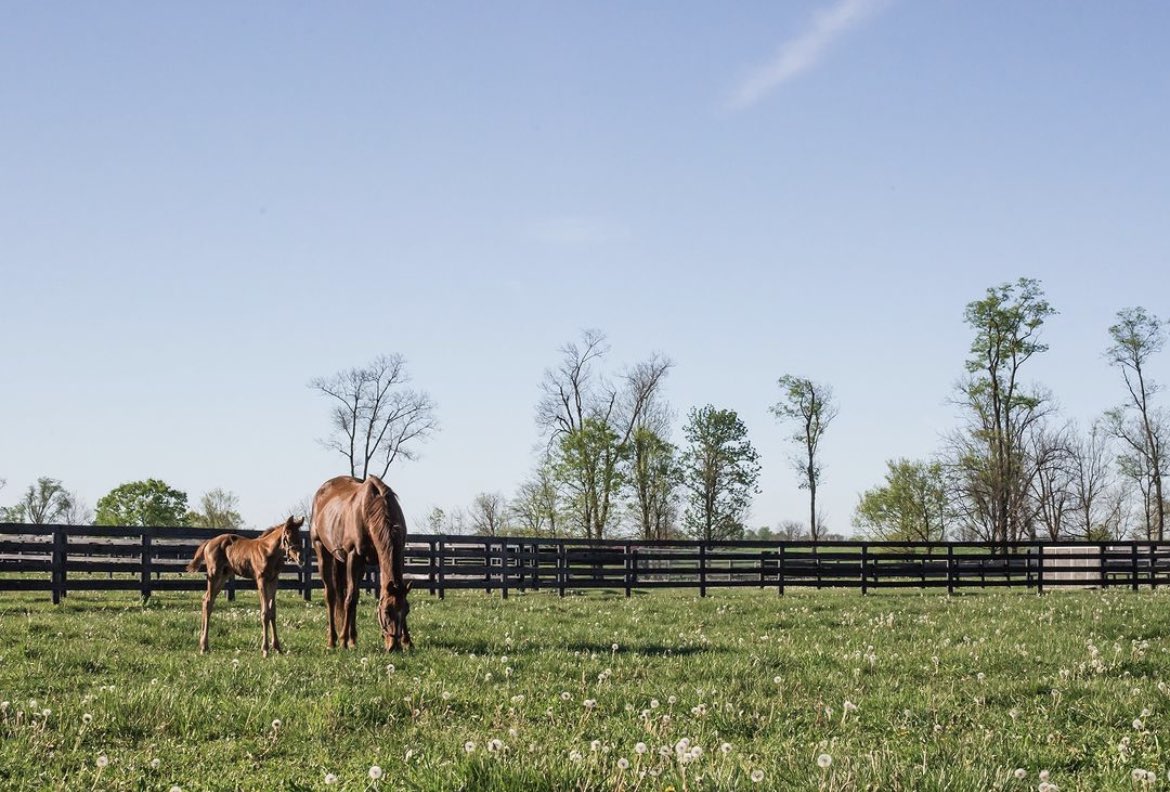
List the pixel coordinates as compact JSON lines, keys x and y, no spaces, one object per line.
{"x":198,"y":560}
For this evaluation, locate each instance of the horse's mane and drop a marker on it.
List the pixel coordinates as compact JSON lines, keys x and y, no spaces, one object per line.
{"x":386,"y":532}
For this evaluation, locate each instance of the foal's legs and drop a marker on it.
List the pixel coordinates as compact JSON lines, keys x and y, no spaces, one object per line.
{"x":214,"y":584}
{"x":265,"y":613}
{"x":270,"y":594}
{"x":353,"y":577}
{"x":327,"y":566}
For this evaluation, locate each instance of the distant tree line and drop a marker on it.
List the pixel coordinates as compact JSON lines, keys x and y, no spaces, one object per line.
{"x":608,"y":464}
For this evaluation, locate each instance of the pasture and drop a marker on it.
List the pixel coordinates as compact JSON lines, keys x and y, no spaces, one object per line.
{"x":743,"y":689}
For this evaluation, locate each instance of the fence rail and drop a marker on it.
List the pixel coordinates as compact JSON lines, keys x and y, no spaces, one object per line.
{"x":58,"y":559}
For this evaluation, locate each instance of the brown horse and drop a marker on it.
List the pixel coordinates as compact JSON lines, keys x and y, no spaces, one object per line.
{"x":261,"y":558}
{"x":357,"y":522}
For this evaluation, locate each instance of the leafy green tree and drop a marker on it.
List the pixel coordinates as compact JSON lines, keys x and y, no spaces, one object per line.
{"x":536,"y":507}
{"x":217,"y":509}
{"x":810,"y":405}
{"x":146,"y":503}
{"x":994,"y":470}
{"x":720,"y":469}
{"x":590,"y":469}
{"x":1139,"y":424}
{"x":911,"y":505}
{"x":654,"y":475}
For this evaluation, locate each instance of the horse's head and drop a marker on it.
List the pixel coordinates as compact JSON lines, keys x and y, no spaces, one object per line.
{"x":290,"y":539}
{"x":392,"y":611}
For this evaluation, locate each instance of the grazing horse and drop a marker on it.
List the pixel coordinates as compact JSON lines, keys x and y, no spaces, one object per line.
{"x":357,"y":522}
{"x":261,"y":559}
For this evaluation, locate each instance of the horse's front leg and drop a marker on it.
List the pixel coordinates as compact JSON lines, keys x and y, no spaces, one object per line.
{"x":271,"y":595}
{"x":353,"y":576}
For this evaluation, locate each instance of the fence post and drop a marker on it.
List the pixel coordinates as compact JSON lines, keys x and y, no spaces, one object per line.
{"x":487,"y":567}
{"x":562,"y":572}
{"x":1039,"y":569}
{"x":780,"y":572}
{"x":442,"y":568}
{"x":703,"y":569}
{"x":629,"y":568}
{"x":146,"y":563}
{"x":1104,"y":567}
{"x":306,"y":571}
{"x":864,"y":562}
{"x":58,"y":573}
{"x":504,"y":568}
{"x":1153,"y":566}
{"x":1133,"y":575}
{"x":950,"y":569}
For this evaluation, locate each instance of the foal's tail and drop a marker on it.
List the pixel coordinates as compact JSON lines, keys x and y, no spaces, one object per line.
{"x":197,"y":561}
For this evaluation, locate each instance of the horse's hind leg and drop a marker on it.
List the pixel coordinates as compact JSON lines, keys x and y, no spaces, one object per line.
{"x":214,"y":584}
{"x":261,"y":589}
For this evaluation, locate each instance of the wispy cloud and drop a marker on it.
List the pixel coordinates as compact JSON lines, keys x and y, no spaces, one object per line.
{"x":575,"y":230}
{"x":802,"y":52}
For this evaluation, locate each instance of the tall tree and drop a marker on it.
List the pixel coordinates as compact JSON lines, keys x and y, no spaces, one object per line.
{"x":218,"y":509}
{"x":911,"y":505}
{"x":147,"y":503}
{"x":536,"y":506}
{"x":47,"y":501}
{"x":809,"y":405}
{"x":589,"y":421}
{"x":992,"y":467}
{"x":377,"y":419}
{"x":489,"y":514}
{"x":1137,"y":336}
{"x":720,"y":469}
{"x":654,"y":478}
{"x":1094,"y":505}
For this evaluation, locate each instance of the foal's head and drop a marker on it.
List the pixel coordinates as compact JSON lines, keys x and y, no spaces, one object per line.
{"x":392,"y":611}
{"x":290,"y":539}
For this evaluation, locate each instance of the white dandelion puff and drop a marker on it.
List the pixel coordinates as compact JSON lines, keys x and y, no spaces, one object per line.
{"x":824,"y":761}
{"x":375,"y":772}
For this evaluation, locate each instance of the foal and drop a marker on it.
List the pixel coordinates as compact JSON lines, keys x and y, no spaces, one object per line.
{"x":261,"y":559}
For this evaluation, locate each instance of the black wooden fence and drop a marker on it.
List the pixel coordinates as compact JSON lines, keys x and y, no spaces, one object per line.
{"x":61,"y":558}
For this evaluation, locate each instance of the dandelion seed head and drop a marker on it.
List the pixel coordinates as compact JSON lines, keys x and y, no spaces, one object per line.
{"x":757,"y":776}
{"x":330,"y":779}
{"x":623,"y":763}
{"x":102,"y":760}
{"x":640,"y":748}
{"x":824,"y":761}
{"x":375,"y":773}
{"x":469,"y":747}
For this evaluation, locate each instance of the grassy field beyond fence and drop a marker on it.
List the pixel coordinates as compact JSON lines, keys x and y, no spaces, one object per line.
{"x":742,"y":689}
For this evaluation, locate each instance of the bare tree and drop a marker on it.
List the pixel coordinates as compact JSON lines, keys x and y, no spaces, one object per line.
{"x":1138,"y":336}
{"x":489,"y":514}
{"x":810,"y":405}
{"x":588,"y":421}
{"x":376,"y":418}
{"x":47,"y":501}
{"x":1094,"y":508}
{"x":1052,"y":484}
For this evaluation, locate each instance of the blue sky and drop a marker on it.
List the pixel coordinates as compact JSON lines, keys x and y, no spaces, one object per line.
{"x":205,"y":206}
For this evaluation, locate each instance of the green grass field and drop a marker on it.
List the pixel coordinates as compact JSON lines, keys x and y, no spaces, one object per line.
{"x":660,"y":691}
